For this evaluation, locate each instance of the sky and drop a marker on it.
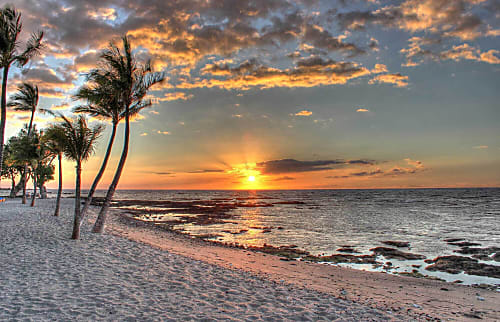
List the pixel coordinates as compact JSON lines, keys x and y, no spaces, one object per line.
{"x":281,"y":94}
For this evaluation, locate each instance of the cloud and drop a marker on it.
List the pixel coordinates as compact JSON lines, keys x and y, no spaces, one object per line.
{"x":468,"y":52}
{"x":480,"y":147}
{"x":284,"y":178}
{"x":358,"y":174}
{"x":443,"y":18}
{"x":144,"y":134}
{"x":362,"y":110}
{"x":60,"y":107}
{"x":175,"y":96}
{"x":396,"y":79}
{"x":163,"y":173}
{"x":52,"y":82}
{"x":207,"y":171}
{"x":310,"y":72}
{"x":379,"y":68}
{"x":322,"y":38}
{"x":103,"y":14}
{"x":163,"y":132}
{"x":420,"y":49}
{"x":86,"y":61}
{"x":415,"y":166}
{"x":303,"y":113}
{"x":292,"y":165}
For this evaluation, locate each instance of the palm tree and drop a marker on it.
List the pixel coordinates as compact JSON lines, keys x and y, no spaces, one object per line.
{"x":130,"y":83}
{"x":102,"y":102}
{"x":26,"y":99}
{"x":10,"y":28}
{"x":55,"y":140}
{"x":79,"y":145}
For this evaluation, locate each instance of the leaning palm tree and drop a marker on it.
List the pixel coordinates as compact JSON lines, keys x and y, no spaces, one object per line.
{"x":54,"y":138}
{"x":79,"y":145}
{"x":10,"y":28}
{"x":102,"y":102}
{"x":130,"y":83}
{"x":26,"y":99}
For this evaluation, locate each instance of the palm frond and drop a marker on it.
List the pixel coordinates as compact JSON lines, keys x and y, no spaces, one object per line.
{"x":33,"y":48}
{"x":26,"y":99}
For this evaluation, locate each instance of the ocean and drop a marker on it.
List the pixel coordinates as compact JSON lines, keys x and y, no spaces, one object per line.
{"x":323,"y":221}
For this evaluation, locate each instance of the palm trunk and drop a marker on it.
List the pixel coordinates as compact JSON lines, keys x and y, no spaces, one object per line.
{"x":101,"y":218}
{"x":25,"y":178}
{"x":100,"y":173}
{"x":43,"y":190}
{"x":76,"y":223}
{"x":18,"y":187}
{"x":35,"y":184}
{"x":30,"y":125}
{"x":3,"y":115}
{"x":26,"y":165}
{"x":59,"y":189}
{"x":13,"y":184}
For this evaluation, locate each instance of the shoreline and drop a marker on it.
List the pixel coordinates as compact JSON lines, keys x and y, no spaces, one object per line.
{"x":142,"y":272}
{"x":419,"y":297}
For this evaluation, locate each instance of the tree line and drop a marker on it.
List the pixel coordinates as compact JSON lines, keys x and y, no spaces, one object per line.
{"x":114,"y":91}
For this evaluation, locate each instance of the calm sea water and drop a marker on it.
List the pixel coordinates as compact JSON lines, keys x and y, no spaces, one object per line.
{"x":329,"y":219}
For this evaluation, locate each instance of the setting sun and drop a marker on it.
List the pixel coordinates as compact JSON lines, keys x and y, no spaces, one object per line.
{"x":251,"y":178}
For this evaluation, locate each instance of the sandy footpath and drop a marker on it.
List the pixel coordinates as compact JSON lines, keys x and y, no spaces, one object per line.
{"x":46,"y":276}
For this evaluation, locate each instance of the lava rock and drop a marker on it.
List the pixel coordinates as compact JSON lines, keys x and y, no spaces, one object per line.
{"x":396,"y":243}
{"x":453,"y":240}
{"x":388,"y":252}
{"x":342,"y":258}
{"x":464,"y":244}
{"x":456,"y":264}
{"x":347,"y":249}
{"x":481,"y":253}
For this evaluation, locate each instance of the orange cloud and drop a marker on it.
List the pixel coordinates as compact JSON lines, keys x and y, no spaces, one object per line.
{"x":468,"y":52}
{"x":175,"y":96}
{"x":308,"y":73}
{"x":397,"y":79}
{"x":304,"y":113}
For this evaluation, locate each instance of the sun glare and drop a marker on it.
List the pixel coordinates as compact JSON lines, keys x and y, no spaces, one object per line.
{"x":251,"y":178}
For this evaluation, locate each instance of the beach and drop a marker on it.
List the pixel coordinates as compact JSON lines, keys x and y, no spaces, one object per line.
{"x":136,"y":271}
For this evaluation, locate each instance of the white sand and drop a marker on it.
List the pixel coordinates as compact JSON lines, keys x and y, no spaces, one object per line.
{"x":46,"y":276}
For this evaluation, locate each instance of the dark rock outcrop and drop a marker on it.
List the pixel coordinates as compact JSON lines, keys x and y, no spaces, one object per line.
{"x":388,"y":252}
{"x":396,"y":243}
{"x":481,"y":253}
{"x":456,"y":264}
